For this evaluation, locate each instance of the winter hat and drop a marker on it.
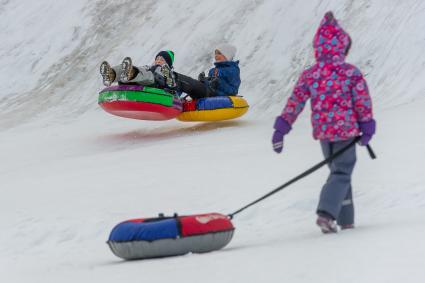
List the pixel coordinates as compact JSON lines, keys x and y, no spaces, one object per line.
{"x":228,"y":50}
{"x":168,"y":56}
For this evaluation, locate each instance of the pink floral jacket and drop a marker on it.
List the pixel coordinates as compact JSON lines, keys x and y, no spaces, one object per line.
{"x":338,"y":92}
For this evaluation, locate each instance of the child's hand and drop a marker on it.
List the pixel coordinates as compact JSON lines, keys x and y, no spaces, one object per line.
{"x":201,"y":77}
{"x":277,"y":141}
{"x":281,"y":128}
{"x":214,"y":83}
{"x":368,"y":130}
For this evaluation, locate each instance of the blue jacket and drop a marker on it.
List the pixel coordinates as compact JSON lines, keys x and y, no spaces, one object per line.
{"x":228,"y":75}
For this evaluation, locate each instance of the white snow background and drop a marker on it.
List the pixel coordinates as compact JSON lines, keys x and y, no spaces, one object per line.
{"x":69,"y":172}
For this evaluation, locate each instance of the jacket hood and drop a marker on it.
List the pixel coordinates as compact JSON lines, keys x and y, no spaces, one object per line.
{"x":331,"y":41}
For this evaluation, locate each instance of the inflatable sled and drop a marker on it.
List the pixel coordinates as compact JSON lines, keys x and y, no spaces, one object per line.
{"x":140,"y":102}
{"x":213,"y":109}
{"x":170,"y":236}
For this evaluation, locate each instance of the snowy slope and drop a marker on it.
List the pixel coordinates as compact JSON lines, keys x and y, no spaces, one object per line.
{"x":51,"y":49}
{"x":70,"y":172}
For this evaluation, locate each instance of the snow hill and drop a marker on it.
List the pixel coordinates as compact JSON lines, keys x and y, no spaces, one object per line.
{"x":69,"y":171}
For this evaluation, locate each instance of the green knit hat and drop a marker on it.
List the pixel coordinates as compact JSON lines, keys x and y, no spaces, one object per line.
{"x":168,"y":56}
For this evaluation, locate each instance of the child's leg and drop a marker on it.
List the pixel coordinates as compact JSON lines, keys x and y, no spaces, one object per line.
{"x":338,"y":183}
{"x":143,"y":77}
{"x":346,"y":215}
{"x":192,"y":87}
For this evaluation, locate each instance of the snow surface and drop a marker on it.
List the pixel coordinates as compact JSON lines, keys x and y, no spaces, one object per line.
{"x":70,"y":171}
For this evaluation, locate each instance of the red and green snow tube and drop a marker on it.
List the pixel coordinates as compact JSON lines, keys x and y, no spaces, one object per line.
{"x":170,"y":236}
{"x":140,"y":102}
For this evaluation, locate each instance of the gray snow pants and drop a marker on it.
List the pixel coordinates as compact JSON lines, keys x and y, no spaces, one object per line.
{"x":336,"y":196}
{"x":143,"y":77}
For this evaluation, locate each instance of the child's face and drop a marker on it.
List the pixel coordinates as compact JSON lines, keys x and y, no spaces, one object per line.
{"x":219,"y":57}
{"x":159,"y":61}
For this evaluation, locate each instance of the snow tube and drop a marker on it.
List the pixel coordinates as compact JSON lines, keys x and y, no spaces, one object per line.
{"x":170,"y":236}
{"x":214,"y":109}
{"x":140,"y":102}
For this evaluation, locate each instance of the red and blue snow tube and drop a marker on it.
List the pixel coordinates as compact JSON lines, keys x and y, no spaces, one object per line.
{"x":170,"y":236}
{"x":140,"y":102}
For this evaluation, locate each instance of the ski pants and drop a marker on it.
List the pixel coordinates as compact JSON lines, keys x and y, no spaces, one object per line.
{"x":143,"y":76}
{"x":192,"y":87}
{"x":336,"y":196}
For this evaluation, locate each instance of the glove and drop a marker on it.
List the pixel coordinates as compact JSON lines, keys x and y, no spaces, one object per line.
{"x":281,"y":128}
{"x":277,"y":141}
{"x":201,"y":77}
{"x":214,"y":83}
{"x":368,"y":130}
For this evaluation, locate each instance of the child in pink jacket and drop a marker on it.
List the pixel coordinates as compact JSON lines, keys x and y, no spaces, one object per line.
{"x":341,"y":110}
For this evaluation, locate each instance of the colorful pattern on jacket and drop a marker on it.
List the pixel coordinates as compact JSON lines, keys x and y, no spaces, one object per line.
{"x":228,"y":75}
{"x":338,"y":92}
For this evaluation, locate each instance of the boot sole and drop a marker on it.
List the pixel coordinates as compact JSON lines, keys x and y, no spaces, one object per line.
{"x":105,"y":69}
{"x":126,"y":67}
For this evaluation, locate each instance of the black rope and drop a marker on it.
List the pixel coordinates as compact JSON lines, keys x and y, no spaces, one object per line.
{"x":371,"y":153}
{"x":302,"y":175}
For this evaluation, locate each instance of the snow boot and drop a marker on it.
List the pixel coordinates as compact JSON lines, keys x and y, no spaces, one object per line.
{"x":168,"y":76}
{"x":326,"y":224}
{"x":347,"y":226}
{"x":128,"y":73}
{"x":108,"y":74}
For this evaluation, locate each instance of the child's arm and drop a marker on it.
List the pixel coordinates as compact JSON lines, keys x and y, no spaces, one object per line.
{"x":362,"y":102}
{"x":294,"y":106}
{"x":362,"y":105}
{"x":297,"y":100}
{"x":229,"y":81}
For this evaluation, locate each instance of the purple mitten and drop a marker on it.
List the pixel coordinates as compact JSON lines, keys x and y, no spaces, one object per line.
{"x":281,"y":128}
{"x":368,"y":130}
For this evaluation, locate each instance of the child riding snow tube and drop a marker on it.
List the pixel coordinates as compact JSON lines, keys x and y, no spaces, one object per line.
{"x":140,"y":102}
{"x":215,"y":108}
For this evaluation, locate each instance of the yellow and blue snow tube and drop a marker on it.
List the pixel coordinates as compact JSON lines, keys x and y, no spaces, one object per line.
{"x":215,"y":108}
